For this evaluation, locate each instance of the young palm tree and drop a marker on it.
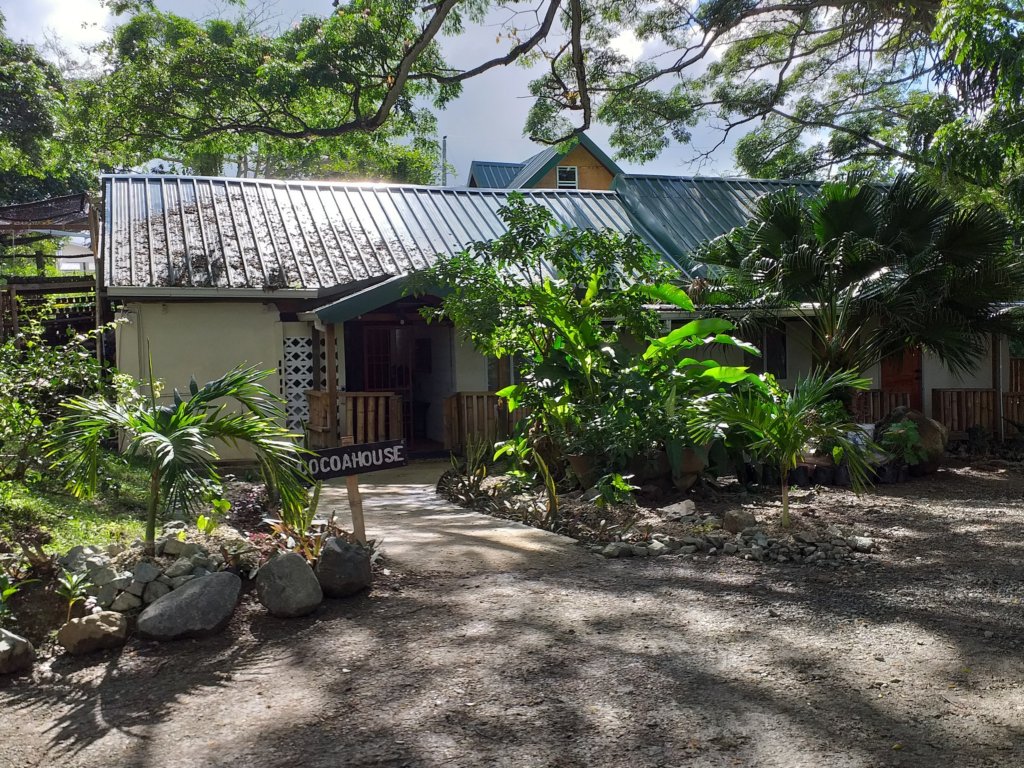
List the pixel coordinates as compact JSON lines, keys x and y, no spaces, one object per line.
{"x":178,"y":442}
{"x":872,"y":271}
{"x":780,"y":425}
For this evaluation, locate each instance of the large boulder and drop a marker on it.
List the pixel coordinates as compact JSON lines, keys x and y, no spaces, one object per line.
{"x":933,"y":434}
{"x":343,"y":569}
{"x":95,"y":632}
{"x":199,"y":608}
{"x":287,"y":586}
{"x":16,"y":653}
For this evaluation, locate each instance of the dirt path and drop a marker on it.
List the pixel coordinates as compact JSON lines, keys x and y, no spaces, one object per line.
{"x":911,"y":660}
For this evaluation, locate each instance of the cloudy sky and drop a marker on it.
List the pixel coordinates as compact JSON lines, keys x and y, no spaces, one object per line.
{"x":485,"y":123}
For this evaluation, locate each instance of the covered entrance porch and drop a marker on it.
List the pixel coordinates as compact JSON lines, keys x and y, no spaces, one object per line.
{"x":387,"y":374}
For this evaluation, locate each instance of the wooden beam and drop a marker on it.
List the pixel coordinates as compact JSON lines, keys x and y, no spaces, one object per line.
{"x":355,"y":501}
{"x":332,"y":384}
{"x":997,"y":385}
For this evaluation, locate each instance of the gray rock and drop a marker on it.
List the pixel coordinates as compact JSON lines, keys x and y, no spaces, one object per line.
{"x":74,"y":560}
{"x":200,"y":608}
{"x":172,"y":527}
{"x":94,"y":563}
{"x":122,"y":581}
{"x":95,"y":632}
{"x":618,"y":549}
{"x":656,"y":548}
{"x":860,"y":543}
{"x":154,"y":591}
{"x":104,"y":575}
{"x":136,"y":588}
{"x":126,"y":601}
{"x":343,"y":569}
{"x":16,"y":653}
{"x":730,"y":548}
{"x":200,"y":571}
{"x":178,"y":581}
{"x":688,"y":549}
{"x":639,"y":550}
{"x":735,"y":520}
{"x":287,"y":586}
{"x":180,"y":567}
{"x":172,"y":546}
{"x":674,"y":512}
{"x":756,"y":552}
{"x":200,"y":560}
{"x":145,"y":572}
{"x":114,"y":549}
{"x":105,"y":595}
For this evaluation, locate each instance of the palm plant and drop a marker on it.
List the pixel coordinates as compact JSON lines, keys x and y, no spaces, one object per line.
{"x":178,"y":442}
{"x":872,"y":271}
{"x":73,"y":587}
{"x":781,"y":426}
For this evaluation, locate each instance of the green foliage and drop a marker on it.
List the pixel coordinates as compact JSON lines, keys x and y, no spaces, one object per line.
{"x":35,"y":377}
{"x":613,"y":488}
{"x":178,"y":442}
{"x":203,"y":93}
{"x":903,"y":442}
{"x":873,"y":271}
{"x":572,"y":308}
{"x":782,"y":426}
{"x":73,"y":587}
{"x":9,"y":587}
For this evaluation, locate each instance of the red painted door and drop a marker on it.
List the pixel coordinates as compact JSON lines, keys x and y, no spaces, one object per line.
{"x":902,"y":373}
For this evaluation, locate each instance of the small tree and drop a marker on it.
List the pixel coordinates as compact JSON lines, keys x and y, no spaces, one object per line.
{"x":177,"y":442}
{"x":781,"y":425}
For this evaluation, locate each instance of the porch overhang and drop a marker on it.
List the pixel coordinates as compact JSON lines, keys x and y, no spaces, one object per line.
{"x":366,"y":300}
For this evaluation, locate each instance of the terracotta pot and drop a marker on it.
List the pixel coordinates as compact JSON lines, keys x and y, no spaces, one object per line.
{"x":584,"y":467}
{"x":688,"y":469}
{"x":649,"y":467}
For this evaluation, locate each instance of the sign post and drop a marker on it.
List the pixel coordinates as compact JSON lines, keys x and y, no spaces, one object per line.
{"x":349,"y":461}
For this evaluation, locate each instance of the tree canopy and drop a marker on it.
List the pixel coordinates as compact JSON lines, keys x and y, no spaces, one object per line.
{"x":872,"y":271}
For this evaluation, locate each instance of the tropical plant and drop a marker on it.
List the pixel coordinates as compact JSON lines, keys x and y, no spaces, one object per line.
{"x":74,"y":587}
{"x":572,"y":308}
{"x":783,"y":426}
{"x":178,"y":442}
{"x":219,"y":509}
{"x":872,"y":271}
{"x":902,"y":441}
{"x":9,"y":587}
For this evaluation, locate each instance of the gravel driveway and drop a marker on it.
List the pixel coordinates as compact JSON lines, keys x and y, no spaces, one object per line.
{"x":911,"y":657}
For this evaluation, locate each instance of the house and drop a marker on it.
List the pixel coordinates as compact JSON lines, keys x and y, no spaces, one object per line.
{"x":584,"y":166}
{"x":308,"y":278}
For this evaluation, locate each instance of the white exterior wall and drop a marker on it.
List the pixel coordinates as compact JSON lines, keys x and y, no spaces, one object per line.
{"x":470,"y":367}
{"x":201,"y":339}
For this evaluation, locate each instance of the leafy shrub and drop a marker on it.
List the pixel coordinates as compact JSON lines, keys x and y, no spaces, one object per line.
{"x":902,"y":441}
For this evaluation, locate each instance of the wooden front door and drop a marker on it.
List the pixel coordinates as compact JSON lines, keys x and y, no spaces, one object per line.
{"x":387,"y":365}
{"x":902,"y":373}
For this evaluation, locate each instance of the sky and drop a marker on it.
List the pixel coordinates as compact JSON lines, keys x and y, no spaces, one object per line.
{"x":484,"y":123}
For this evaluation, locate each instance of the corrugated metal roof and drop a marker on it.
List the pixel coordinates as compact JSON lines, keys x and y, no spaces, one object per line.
{"x":684,"y":211}
{"x":492,"y":175}
{"x":533,"y":166}
{"x":193,"y":232}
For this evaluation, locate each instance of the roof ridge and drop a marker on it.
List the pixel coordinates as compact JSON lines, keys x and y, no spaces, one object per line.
{"x":751,"y":179}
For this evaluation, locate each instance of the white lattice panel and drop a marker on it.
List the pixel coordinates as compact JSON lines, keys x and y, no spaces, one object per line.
{"x":298,"y":378}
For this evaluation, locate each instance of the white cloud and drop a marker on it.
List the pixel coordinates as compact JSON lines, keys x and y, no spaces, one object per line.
{"x":75,"y":22}
{"x":628,"y":44}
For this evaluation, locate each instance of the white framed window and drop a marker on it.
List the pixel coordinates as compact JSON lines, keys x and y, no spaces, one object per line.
{"x":567,"y":177}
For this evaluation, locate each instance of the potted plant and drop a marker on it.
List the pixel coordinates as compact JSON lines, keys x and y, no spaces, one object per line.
{"x":902,"y":442}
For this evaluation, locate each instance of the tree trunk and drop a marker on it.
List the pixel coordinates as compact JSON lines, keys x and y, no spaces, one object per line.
{"x":785,"y":496}
{"x":154,"y":504}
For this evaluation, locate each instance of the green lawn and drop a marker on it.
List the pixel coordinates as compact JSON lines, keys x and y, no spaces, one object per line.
{"x":116,"y":513}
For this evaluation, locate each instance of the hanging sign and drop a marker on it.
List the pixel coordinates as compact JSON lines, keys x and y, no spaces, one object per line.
{"x":357,"y":459}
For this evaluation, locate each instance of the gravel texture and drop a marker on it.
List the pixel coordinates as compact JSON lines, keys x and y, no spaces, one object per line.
{"x":910,"y":656}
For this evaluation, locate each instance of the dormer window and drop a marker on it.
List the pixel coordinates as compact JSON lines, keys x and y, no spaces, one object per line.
{"x":567,"y":177}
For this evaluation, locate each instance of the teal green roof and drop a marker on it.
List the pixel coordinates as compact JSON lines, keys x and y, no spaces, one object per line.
{"x":681,"y":212}
{"x":492,"y":175}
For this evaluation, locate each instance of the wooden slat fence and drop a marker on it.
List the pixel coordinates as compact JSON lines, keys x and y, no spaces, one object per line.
{"x":366,"y":417}
{"x":961,"y":409}
{"x":475,"y":416}
{"x":871,"y":405}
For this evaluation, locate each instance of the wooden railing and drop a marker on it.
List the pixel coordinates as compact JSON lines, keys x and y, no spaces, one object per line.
{"x":366,"y":417}
{"x":1017,"y":374}
{"x":871,"y":405}
{"x":474,"y":416}
{"x":961,"y":409}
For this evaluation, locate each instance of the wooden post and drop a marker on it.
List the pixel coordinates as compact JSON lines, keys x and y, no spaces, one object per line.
{"x":355,"y":501}
{"x":332,"y":384}
{"x":997,"y":385}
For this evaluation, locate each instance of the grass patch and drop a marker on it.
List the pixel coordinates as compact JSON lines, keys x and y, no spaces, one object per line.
{"x":116,"y":514}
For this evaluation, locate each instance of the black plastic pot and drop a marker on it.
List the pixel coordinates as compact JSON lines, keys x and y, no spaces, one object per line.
{"x":824,"y":475}
{"x":800,"y":476}
{"x":841,"y":477}
{"x":890,"y":473}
